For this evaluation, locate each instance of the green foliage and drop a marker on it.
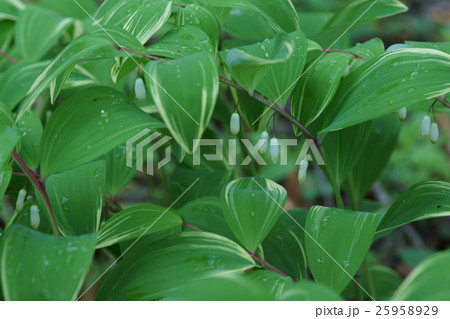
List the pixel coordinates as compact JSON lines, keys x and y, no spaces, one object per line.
{"x":208,"y":223}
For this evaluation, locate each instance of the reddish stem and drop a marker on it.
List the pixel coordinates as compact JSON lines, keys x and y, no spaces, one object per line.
{"x":343,"y":51}
{"x":9,"y":58}
{"x":265,"y":263}
{"x":443,"y":101}
{"x":191,"y":227}
{"x":39,"y":186}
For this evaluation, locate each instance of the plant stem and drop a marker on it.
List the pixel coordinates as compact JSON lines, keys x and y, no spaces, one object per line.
{"x":265,"y":263}
{"x":271,"y":105}
{"x":443,"y":101}
{"x":343,"y":51}
{"x":337,"y":195}
{"x":40,"y":188}
{"x":9,"y":58}
{"x":142,"y":54}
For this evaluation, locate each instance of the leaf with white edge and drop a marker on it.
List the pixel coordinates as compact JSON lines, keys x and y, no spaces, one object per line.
{"x":335,"y":260}
{"x":280,"y":81}
{"x":9,"y":136}
{"x":148,"y":274}
{"x":441,"y":46}
{"x":341,"y":151}
{"x":355,"y":13}
{"x":251,"y":207}
{"x":37,"y":266}
{"x":202,"y":18}
{"x":5,"y":177}
{"x":315,"y":89}
{"x":310,"y":291}
{"x":76,"y":196}
{"x":134,"y":222}
{"x":117,"y":173}
{"x":31,"y":25}
{"x":20,"y":78}
{"x":187,"y":112}
{"x":280,"y":14}
{"x":206,"y":214}
{"x":104,"y":119}
{"x":31,"y":127}
{"x":382,"y":138}
{"x":222,"y":288}
{"x":275,"y":283}
{"x":424,"y":200}
{"x":180,"y":42}
{"x":250,"y":64}
{"x":429,"y":281}
{"x":384,"y":85}
{"x":142,"y":18}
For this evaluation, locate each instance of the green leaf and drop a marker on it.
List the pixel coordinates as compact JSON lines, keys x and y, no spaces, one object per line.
{"x":202,"y":18}
{"x":149,"y":274}
{"x":142,"y":18}
{"x":280,"y":14}
{"x":355,"y":13}
{"x":187,"y":112}
{"x":31,"y":127}
{"x":34,"y":265}
{"x":280,"y":80}
{"x":283,"y":249}
{"x":382,"y":137}
{"x":310,"y":291}
{"x":333,"y":259}
{"x":76,"y":197}
{"x":441,"y":46}
{"x":206,"y":214}
{"x":117,"y":173}
{"x":251,"y":207}
{"x":31,"y":25}
{"x":222,"y":288}
{"x":5,"y":177}
{"x":6,"y":117}
{"x":341,"y":151}
{"x":271,"y":281}
{"x":134,"y":222}
{"x":249,"y":65}
{"x":70,"y":8}
{"x":180,"y":42}
{"x":316,"y":88}
{"x":428,"y":281}
{"x":10,"y":137}
{"x":384,"y":85}
{"x":104,"y":119}
{"x":20,"y":78}
{"x":424,"y":200}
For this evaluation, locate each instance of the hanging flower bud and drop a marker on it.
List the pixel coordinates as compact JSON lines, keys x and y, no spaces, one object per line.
{"x":302,"y":171}
{"x":402,"y":113}
{"x":274,"y":149}
{"x":20,"y":200}
{"x":35,"y":219}
{"x":139,"y":89}
{"x":425,"y":127}
{"x":264,"y":138}
{"x":434,"y":133}
{"x":235,"y":124}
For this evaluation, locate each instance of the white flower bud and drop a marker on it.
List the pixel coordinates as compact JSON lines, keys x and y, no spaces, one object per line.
{"x":274,"y":149}
{"x":302,"y":171}
{"x":20,"y":200}
{"x":402,"y":113}
{"x":264,"y":138}
{"x":346,"y":71}
{"x":434,"y":133}
{"x":139,"y":89}
{"x":235,"y":124}
{"x":425,"y":127}
{"x":35,"y":219}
